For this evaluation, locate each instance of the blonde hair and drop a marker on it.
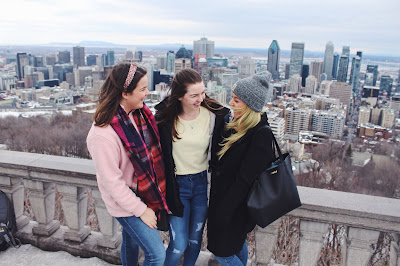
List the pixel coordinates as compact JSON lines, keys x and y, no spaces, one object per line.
{"x":247,"y":120}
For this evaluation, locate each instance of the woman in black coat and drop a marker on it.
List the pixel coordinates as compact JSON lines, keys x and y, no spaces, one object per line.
{"x":246,"y":150}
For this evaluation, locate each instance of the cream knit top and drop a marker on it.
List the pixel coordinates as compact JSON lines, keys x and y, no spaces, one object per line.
{"x":190,"y":152}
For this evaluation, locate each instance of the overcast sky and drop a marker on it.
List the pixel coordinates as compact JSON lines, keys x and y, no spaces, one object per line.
{"x":370,"y":26}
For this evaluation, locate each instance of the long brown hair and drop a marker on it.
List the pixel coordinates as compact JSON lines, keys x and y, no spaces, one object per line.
{"x":111,"y":92}
{"x":178,"y":89}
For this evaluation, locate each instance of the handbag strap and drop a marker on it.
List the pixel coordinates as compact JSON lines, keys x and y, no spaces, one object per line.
{"x":276,"y":145}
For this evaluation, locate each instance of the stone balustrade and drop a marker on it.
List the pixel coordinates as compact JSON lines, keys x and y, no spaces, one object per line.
{"x":42,"y":175}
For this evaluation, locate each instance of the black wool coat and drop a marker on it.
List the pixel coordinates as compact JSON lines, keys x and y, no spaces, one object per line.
{"x":165,"y":130}
{"x":231,"y":181}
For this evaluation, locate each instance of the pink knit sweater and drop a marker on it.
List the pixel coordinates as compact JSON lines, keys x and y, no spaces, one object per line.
{"x":114,"y":172}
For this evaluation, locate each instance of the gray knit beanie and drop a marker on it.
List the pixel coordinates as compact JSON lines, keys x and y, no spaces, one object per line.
{"x":253,"y":90}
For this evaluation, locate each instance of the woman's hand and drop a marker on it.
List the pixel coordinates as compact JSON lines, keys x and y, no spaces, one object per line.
{"x":149,"y":218}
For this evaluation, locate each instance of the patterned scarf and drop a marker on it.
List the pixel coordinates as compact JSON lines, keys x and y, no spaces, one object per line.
{"x":144,"y":151}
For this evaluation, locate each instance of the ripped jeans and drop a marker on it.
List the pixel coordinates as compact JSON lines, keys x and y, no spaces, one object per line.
{"x":186,"y":232}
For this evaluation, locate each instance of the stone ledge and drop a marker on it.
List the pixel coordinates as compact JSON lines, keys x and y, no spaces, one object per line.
{"x":56,"y":242}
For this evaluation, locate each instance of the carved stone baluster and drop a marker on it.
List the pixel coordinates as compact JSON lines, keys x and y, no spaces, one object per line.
{"x":265,"y":242}
{"x":359,"y":245}
{"x":112,"y":237}
{"x":74,"y":204}
{"x":311,"y":241}
{"x":42,"y":197}
{"x":15,"y":191}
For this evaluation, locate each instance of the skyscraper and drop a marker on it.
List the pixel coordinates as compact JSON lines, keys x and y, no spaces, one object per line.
{"x":64,"y":57}
{"x":246,"y":67}
{"x":386,"y":84}
{"x":346,"y":50}
{"x":287,"y":70}
{"x":296,"y":58}
{"x":295,"y":83}
{"x":274,"y":53}
{"x":371,"y":75}
{"x":170,"y":61}
{"x":79,"y":56}
{"x":328,"y":60}
{"x":316,"y":69}
{"x":344,"y":64}
{"x":91,"y":60}
{"x":304,"y":74}
{"x":22,"y":60}
{"x":204,"y":46}
{"x":110,"y":58}
{"x":311,"y":84}
{"x":335,"y":65}
{"x":355,"y":70}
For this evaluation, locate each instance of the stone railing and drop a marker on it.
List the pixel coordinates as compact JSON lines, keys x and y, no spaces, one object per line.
{"x":364,"y":216}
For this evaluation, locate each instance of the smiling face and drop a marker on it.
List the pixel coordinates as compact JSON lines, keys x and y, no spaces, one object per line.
{"x":134,"y":100}
{"x":194,"y":96}
{"x":237,"y":106}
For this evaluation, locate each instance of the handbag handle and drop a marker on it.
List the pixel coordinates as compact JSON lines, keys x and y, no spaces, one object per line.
{"x":276,"y":145}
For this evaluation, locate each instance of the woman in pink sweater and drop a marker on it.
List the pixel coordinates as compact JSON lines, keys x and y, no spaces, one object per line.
{"x":124,"y":144}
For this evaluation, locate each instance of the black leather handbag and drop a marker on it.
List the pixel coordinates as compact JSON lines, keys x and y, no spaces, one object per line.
{"x":274,"y":192}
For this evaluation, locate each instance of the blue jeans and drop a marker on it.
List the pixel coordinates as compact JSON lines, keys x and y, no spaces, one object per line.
{"x":137,"y":234}
{"x":186,"y":232}
{"x":239,"y":259}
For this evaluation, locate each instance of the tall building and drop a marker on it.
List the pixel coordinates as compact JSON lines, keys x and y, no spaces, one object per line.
{"x":355,"y":70}
{"x":387,"y":118}
{"x":110,"y":58}
{"x":64,"y":57}
{"x":295,"y":83}
{"x":38,"y":61}
{"x":22,"y":61}
{"x":277,"y":125}
{"x":344,"y":64}
{"x":364,"y":115}
{"x":246,"y":67}
{"x":203,"y":46}
{"x":79,"y":56}
{"x":386,"y":84}
{"x":346,"y":50}
{"x":160,"y":78}
{"x":325,"y":86}
{"x":182,"y":53}
{"x":51,"y":60}
{"x":304,"y":74}
{"x":341,"y":91}
{"x":311,"y":84}
{"x":375,"y":115}
{"x":297,"y":120}
{"x":316,"y":69}
{"x":80,"y":74}
{"x":287,"y":70}
{"x":91,"y":60}
{"x":335,"y":65}
{"x":328,"y":60}
{"x":170,"y":61}
{"x":274,"y":53}
{"x":182,"y":63}
{"x":296,"y":58}
{"x":371,"y":75}
{"x":329,"y":122}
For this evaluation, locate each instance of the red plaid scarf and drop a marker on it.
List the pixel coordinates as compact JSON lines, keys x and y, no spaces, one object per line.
{"x":144,"y":151}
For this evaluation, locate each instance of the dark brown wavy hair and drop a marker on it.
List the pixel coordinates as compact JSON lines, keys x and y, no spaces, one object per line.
{"x":179,"y":85}
{"x":111,"y":92}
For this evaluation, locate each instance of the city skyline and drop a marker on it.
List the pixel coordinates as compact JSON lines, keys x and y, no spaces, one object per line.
{"x":362,"y":25}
